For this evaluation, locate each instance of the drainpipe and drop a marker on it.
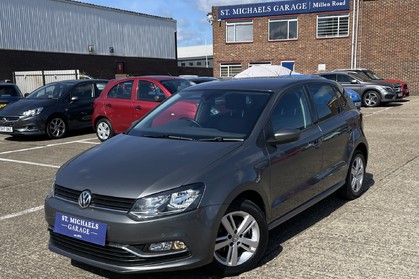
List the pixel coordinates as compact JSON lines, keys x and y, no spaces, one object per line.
{"x":356,"y":37}
{"x":353,"y":36}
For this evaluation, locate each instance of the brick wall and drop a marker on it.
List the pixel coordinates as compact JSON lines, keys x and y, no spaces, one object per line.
{"x":388,"y":43}
{"x":389,"y":40}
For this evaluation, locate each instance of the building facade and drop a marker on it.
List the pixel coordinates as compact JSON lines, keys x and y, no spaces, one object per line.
{"x":99,"y":41}
{"x":319,"y":35}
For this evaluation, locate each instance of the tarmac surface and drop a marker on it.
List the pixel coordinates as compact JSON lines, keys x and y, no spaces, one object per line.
{"x":375,"y":236}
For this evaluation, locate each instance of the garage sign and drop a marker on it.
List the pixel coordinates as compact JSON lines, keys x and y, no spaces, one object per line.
{"x":281,"y":8}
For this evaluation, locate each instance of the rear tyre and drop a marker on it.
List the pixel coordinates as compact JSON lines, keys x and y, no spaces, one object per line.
{"x":241,"y":239}
{"x":104,"y":129}
{"x":371,"y":99}
{"x":56,"y":128}
{"x":355,"y":178}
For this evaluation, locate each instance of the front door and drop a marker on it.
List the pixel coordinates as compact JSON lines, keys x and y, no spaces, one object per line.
{"x":294,"y":166}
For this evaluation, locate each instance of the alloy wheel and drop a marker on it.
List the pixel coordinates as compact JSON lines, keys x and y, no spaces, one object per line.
{"x":237,"y":239}
{"x":357,"y":174}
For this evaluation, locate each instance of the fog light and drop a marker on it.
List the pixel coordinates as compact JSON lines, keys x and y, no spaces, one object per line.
{"x":167,"y":246}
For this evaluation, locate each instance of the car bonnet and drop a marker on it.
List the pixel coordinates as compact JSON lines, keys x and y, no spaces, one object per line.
{"x":131,"y":167}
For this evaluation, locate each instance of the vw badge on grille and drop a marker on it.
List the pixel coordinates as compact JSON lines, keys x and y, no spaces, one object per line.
{"x":85,"y":199}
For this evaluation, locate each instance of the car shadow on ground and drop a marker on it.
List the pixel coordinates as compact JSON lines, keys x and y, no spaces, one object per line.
{"x":39,"y":138}
{"x":278,"y":235}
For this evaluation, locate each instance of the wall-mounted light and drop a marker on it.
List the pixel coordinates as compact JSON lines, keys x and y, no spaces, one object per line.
{"x":111,"y":50}
{"x":210,"y":18}
{"x":90,"y":48}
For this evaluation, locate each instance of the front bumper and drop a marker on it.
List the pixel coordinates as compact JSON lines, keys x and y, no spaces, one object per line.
{"x":125,"y":250}
{"x":22,"y":125}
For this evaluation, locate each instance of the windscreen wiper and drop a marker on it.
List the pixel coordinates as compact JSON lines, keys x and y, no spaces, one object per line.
{"x":163,"y":136}
{"x":221,"y":139}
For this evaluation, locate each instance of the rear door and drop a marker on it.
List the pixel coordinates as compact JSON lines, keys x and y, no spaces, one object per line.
{"x":294,"y":167}
{"x":147,"y":96}
{"x":119,"y":106}
{"x":334,"y":120}
{"x":80,"y":106}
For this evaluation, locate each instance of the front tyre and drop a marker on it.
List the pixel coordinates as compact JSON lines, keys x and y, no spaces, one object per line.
{"x":104,"y":129}
{"x":56,"y":128}
{"x":241,"y":239}
{"x":355,"y":177}
{"x":371,"y":99}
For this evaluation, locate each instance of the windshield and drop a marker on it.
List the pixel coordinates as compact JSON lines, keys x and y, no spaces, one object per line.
{"x":210,"y":115}
{"x":175,"y":85}
{"x":371,"y":74}
{"x":49,"y":91}
{"x":359,"y":76}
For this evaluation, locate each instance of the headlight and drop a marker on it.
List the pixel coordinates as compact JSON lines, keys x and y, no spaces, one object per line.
{"x":32,"y":112}
{"x":168,"y":203}
{"x":388,"y":88}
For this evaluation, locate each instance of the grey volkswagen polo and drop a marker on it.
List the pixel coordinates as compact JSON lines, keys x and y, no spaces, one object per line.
{"x":201,"y":179}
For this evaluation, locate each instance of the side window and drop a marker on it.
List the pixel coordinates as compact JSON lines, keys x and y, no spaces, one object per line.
{"x":99,"y":88}
{"x":147,"y":91}
{"x":344,"y":78}
{"x":8,"y":91}
{"x":292,"y":111}
{"x":327,"y":100}
{"x":84,"y":92}
{"x":330,"y":76}
{"x":121,"y":90}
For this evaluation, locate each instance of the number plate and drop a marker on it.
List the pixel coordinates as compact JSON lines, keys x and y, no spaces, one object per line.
{"x":400,"y":95}
{"x":6,"y":129}
{"x":79,"y":228}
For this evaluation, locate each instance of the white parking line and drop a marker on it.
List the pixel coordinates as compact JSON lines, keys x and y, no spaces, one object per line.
{"x":17,"y":214}
{"x":29,"y":163}
{"x":375,"y":112}
{"x":48,"y":145}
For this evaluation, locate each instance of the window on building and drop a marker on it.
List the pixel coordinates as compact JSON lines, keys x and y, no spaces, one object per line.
{"x":199,"y":63}
{"x":230,"y":70}
{"x":190,"y":63}
{"x":283,"y":29}
{"x":332,"y":26}
{"x":259,"y":63}
{"x":239,"y":31}
{"x":183,"y":64}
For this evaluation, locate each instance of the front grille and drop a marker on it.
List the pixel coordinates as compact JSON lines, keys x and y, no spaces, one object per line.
{"x":106,"y":254}
{"x":397,"y":89}
{"x":8,"y":121}
{"x":98,"y":201}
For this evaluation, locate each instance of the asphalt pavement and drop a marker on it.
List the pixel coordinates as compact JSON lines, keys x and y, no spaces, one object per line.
{"x":375,"y":236}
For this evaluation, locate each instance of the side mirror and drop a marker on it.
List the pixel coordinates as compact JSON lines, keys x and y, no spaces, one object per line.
{"x":285,"y":135}
{"x":26,"y":95}
{"x":74,"y":99}
{"x":354,"y":81}
{"x":159,"y":98}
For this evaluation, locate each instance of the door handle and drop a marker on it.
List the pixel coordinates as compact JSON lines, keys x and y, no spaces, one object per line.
{"x":108,"y":105}
{"x":138,"y":108}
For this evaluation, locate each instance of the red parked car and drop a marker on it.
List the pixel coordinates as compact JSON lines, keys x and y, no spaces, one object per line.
{"x":125,"y":100}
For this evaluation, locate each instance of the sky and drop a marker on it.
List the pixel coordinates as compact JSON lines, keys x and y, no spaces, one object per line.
{"x":191,"y":15}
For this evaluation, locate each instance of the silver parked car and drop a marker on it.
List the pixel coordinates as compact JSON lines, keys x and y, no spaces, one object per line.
{"x":372,"y":92}
{"x":202,"y":178}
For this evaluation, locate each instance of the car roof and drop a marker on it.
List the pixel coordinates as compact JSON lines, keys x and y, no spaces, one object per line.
{"x":77,"y":81}
{"x":258,"y":84}
{"x":7,"y":84}
{"x":151,"y":77}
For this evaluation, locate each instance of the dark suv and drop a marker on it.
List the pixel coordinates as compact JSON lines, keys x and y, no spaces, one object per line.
{"x":202,"y":178}
{"x":372,"y":92}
